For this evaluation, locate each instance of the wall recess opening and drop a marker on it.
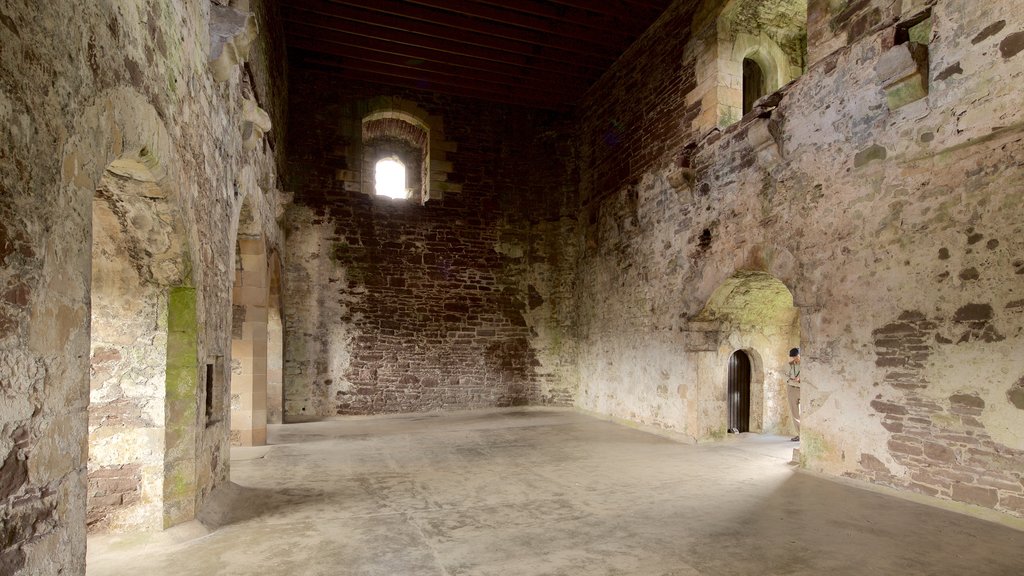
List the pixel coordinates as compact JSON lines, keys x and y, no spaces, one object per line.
{"x":754,"y":85}
{"x":214,"y":384}
{"x":389,"y":179}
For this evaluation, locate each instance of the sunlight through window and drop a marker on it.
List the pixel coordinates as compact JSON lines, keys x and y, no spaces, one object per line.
{"x":390,"y":179}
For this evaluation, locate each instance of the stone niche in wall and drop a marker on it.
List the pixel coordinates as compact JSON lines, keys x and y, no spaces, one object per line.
{"x":746,"y":50}
{"x":903,"y":69}
{"x":751,"y":312}
{"x":388,"y":127}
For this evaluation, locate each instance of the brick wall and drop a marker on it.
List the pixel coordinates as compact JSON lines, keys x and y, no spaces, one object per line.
{"x":636,"y":116}
{"x":112,"y":489}
{"x":394,"y":306}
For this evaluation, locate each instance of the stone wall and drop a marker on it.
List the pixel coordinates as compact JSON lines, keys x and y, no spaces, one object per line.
{"x":397,"y":306}
{"x":897,"y":230}
{"x":127,"y":86}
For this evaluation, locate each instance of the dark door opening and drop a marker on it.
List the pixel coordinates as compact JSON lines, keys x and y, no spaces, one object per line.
{"x":753,"y":84}
{"x":739,"y":392}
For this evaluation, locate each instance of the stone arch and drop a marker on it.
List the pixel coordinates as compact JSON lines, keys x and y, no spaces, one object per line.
{"x":770,"y":258}
{"x":751,"y":311}
{"x":121,"y":168}
{"x":773,"y":34}
{"x":249,"y":296}
{"x":391,"y":132}
{"x":768,"y":55}
{"x":391,"y":126}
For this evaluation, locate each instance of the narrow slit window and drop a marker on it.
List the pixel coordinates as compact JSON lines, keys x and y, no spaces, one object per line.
{"x":209,"y":393}
{"x":389,"y":179}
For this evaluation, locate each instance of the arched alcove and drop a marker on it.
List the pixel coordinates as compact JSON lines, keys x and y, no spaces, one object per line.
{"x":754,"y":84}
{"x":143,"y":355}
{"x":275,"y":346}
{"x":759,"y":47}
{"x":249,"y":332}
{"x":393,"y":139}
{"x":753,"y":313}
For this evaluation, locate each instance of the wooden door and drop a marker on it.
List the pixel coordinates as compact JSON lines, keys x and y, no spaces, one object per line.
{"x":739,"y":392}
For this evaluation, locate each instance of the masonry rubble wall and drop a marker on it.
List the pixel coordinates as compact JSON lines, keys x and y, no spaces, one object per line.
{"x":898,"y":232}
{"x":398,"y":306}
{"x":83,"y":84}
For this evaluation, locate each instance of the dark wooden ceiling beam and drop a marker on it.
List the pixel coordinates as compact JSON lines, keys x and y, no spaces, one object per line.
{"x":511,"y":14}
{"x":435,"y":82}
{"x":647,"y":11}
{"x":301,"y":61}
{"x":446,"y":62}
{"x":427,"y":70}
{"x":630,"y":23}
{"x":386,"y":40}
{"x":408,"y":17}
{"x":536,"y":53}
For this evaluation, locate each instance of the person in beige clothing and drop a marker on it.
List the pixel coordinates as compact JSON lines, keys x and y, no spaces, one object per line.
{"x":794,"y":389}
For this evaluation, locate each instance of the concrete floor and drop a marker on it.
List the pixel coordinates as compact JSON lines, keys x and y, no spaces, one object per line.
{"x":530,"y":492}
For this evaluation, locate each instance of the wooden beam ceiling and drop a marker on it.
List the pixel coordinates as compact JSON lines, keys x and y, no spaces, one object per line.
{"x":536,"y":53}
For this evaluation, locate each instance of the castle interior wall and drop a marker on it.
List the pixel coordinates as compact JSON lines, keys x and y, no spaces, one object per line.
{"x":891,"y":213}
{"x":114,"y":127}
{"x":402,"y":305}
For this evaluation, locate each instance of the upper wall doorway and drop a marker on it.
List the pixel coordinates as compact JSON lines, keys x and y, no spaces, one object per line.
{"x":754,"y":86}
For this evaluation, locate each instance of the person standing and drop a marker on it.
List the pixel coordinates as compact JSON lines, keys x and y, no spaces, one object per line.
{"x":794,"y":389}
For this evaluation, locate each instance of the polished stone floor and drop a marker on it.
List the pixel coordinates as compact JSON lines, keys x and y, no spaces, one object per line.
{"x":532,"y":492}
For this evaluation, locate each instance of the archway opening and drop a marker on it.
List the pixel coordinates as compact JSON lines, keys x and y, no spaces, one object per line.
{"x":249,"y":317}
{"x":754,"y":84}
{"x":739,"y":392}
{"x":396,"y":157}
{"x":275,"y":348}
{"x":756,"y":324}
{"x":143,"y":358}
{"x":761,"y":47}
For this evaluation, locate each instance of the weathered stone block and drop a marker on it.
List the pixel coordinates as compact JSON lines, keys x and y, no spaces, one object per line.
{"x":977,"y":495}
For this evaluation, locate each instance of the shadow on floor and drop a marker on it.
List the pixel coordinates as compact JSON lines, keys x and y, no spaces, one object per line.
{"x":232,"y":503}
{"x":810,"y":525}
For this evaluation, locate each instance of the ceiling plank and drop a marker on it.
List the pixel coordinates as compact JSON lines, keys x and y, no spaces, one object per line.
{"x":434,"y":71}
{"x":629,"y":22}
{"x":299,"y":61}
{"x":536,"y":53}
{"x":407,"y":17}
{"x":512,"y":15}
{"x":440,"y":65}
{"x":343,"y":31}
{"x":616,"y":8}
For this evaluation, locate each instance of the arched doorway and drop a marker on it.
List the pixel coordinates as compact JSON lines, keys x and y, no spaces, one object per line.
{"x":144,"y":362}
{"x":749,"y":324}
{"x":754,"y":84}
{"x":739,"y":392}
{"x":249,"y":333}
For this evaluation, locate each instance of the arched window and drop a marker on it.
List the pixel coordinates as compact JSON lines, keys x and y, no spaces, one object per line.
{"x":754,"y":84}
{"x":758,"y":47}
{"x":389,"y":178}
